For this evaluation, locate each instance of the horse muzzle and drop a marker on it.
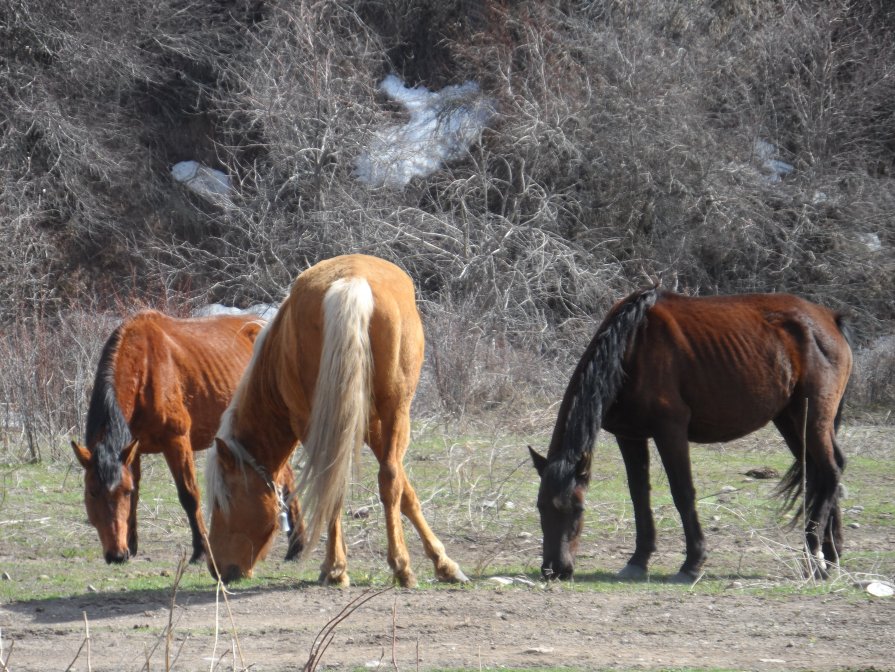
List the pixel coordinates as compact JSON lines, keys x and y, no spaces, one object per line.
{"x":228,"y":574}
{"x":117,"y":557}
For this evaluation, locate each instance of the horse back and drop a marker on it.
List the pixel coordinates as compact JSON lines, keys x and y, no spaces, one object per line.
{"x":175,"y":376}
{"x":728,"y":365}
{"x":295,"y":339}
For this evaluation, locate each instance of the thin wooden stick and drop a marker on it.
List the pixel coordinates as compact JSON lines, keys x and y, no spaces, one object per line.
{"x":395,"y":634}
{"x":87,"y":630}
{"x":812,"y":561}
{"x":178,"y":576}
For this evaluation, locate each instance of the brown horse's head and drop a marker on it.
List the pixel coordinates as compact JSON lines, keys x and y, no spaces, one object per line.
{"x":243,"y":509}
{"x":561,"y":507}
{"x":108,"y":485}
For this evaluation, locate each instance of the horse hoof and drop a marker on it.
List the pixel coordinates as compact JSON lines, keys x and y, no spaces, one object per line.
{"x":337,"y":579}
{"x":684,"y":578}
{"x":632,"y":572}
{"x":451,"y":574}
{"x":407,"y":580}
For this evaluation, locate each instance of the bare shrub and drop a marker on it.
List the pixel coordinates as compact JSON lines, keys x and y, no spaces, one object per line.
{"x":873,"y":381}
{"x":47,"y":380}
{"x":624,"y":149}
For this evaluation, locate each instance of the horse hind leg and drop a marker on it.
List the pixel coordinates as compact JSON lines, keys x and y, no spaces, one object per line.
{"x":819,"y":461}
{"x":398,"y":497}
{"x":445,"y":569}
{"x":334,"y":570}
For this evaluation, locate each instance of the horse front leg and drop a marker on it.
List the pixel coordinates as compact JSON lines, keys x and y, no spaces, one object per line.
{"x":135,"y":502}
{"x":179,"y":456}
{"x":296,"y":544}
{"x":675,"y":452}
{"x":635,"y":453}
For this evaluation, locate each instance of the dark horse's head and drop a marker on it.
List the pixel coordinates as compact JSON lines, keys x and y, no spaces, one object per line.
{"x":561,"y":507}
{"x":108,"y":486}
{"x":108,"y":460}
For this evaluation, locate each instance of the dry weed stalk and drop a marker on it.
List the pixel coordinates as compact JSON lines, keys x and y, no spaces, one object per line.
{"x":325,"y":636}
{"x":4,"y":664}
{"x":221,"y":590}
{"x":85,"y":642}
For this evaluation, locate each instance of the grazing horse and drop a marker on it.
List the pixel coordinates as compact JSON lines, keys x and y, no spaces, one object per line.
{"x":678,"y":369}
{"x":161,"y":386}
{"x":338,"y":366}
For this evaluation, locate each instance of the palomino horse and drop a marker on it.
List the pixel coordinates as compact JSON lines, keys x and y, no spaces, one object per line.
{"x":679,"y":369}
{"x":337,"y":366}
{"x":161,"y":386}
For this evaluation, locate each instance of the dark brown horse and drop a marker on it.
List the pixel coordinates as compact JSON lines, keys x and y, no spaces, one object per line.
{"x":677,"y":369}
{"x":338,"y":366}
{"x":161,"y":386}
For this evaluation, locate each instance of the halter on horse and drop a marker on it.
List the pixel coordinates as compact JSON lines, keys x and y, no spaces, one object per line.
{"x":338,"y":366}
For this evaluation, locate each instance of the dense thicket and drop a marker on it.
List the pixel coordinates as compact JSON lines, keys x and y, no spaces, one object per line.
{"x":632,"y":140}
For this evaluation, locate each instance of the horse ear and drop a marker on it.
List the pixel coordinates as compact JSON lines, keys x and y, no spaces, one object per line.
{"x":225,"y":456}
{"x":130,"y":452}
{"x":81,"y":453}
{"x":582,"y":469}
{"x":538,"y":460}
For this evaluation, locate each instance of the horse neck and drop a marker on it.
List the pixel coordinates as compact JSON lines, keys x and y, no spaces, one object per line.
{"x":107,"y":430}
{"x":260,"y":418}
{"x":558,"y":447}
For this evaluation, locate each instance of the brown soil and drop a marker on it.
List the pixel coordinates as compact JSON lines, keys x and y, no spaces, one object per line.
{"x":513,"y":626}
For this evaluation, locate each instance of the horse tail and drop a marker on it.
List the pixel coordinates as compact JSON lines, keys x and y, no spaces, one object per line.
{"x":790,"y":486}
{"x":598,"y":378}
{"x":107,"y":432}
{"x":341,"y":404}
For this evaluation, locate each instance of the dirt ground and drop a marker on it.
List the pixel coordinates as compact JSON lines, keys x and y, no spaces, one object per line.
{"x":482,"y":626}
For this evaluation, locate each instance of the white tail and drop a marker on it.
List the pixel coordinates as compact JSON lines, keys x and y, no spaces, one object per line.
{"x":340,"y":410}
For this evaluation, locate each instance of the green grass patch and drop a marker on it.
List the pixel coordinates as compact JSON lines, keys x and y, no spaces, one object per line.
{"x":478,"y":493}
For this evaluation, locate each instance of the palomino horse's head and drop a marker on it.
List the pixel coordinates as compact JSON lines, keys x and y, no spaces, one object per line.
{"x":108,"y":484}
{"x":243,"y":506}
{"x":561,"y":507}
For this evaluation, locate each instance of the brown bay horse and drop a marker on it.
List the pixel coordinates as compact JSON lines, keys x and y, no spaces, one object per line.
{"x":161,"y":386}
{"x":676,"y":369}
{"x":337,"y":367}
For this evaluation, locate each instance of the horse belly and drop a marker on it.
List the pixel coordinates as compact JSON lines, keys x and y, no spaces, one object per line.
{"x":738,"y":407}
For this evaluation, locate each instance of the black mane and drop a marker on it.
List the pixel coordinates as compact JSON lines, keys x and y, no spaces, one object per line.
{"x":594,"y":387}
{"x":107,"y":431}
